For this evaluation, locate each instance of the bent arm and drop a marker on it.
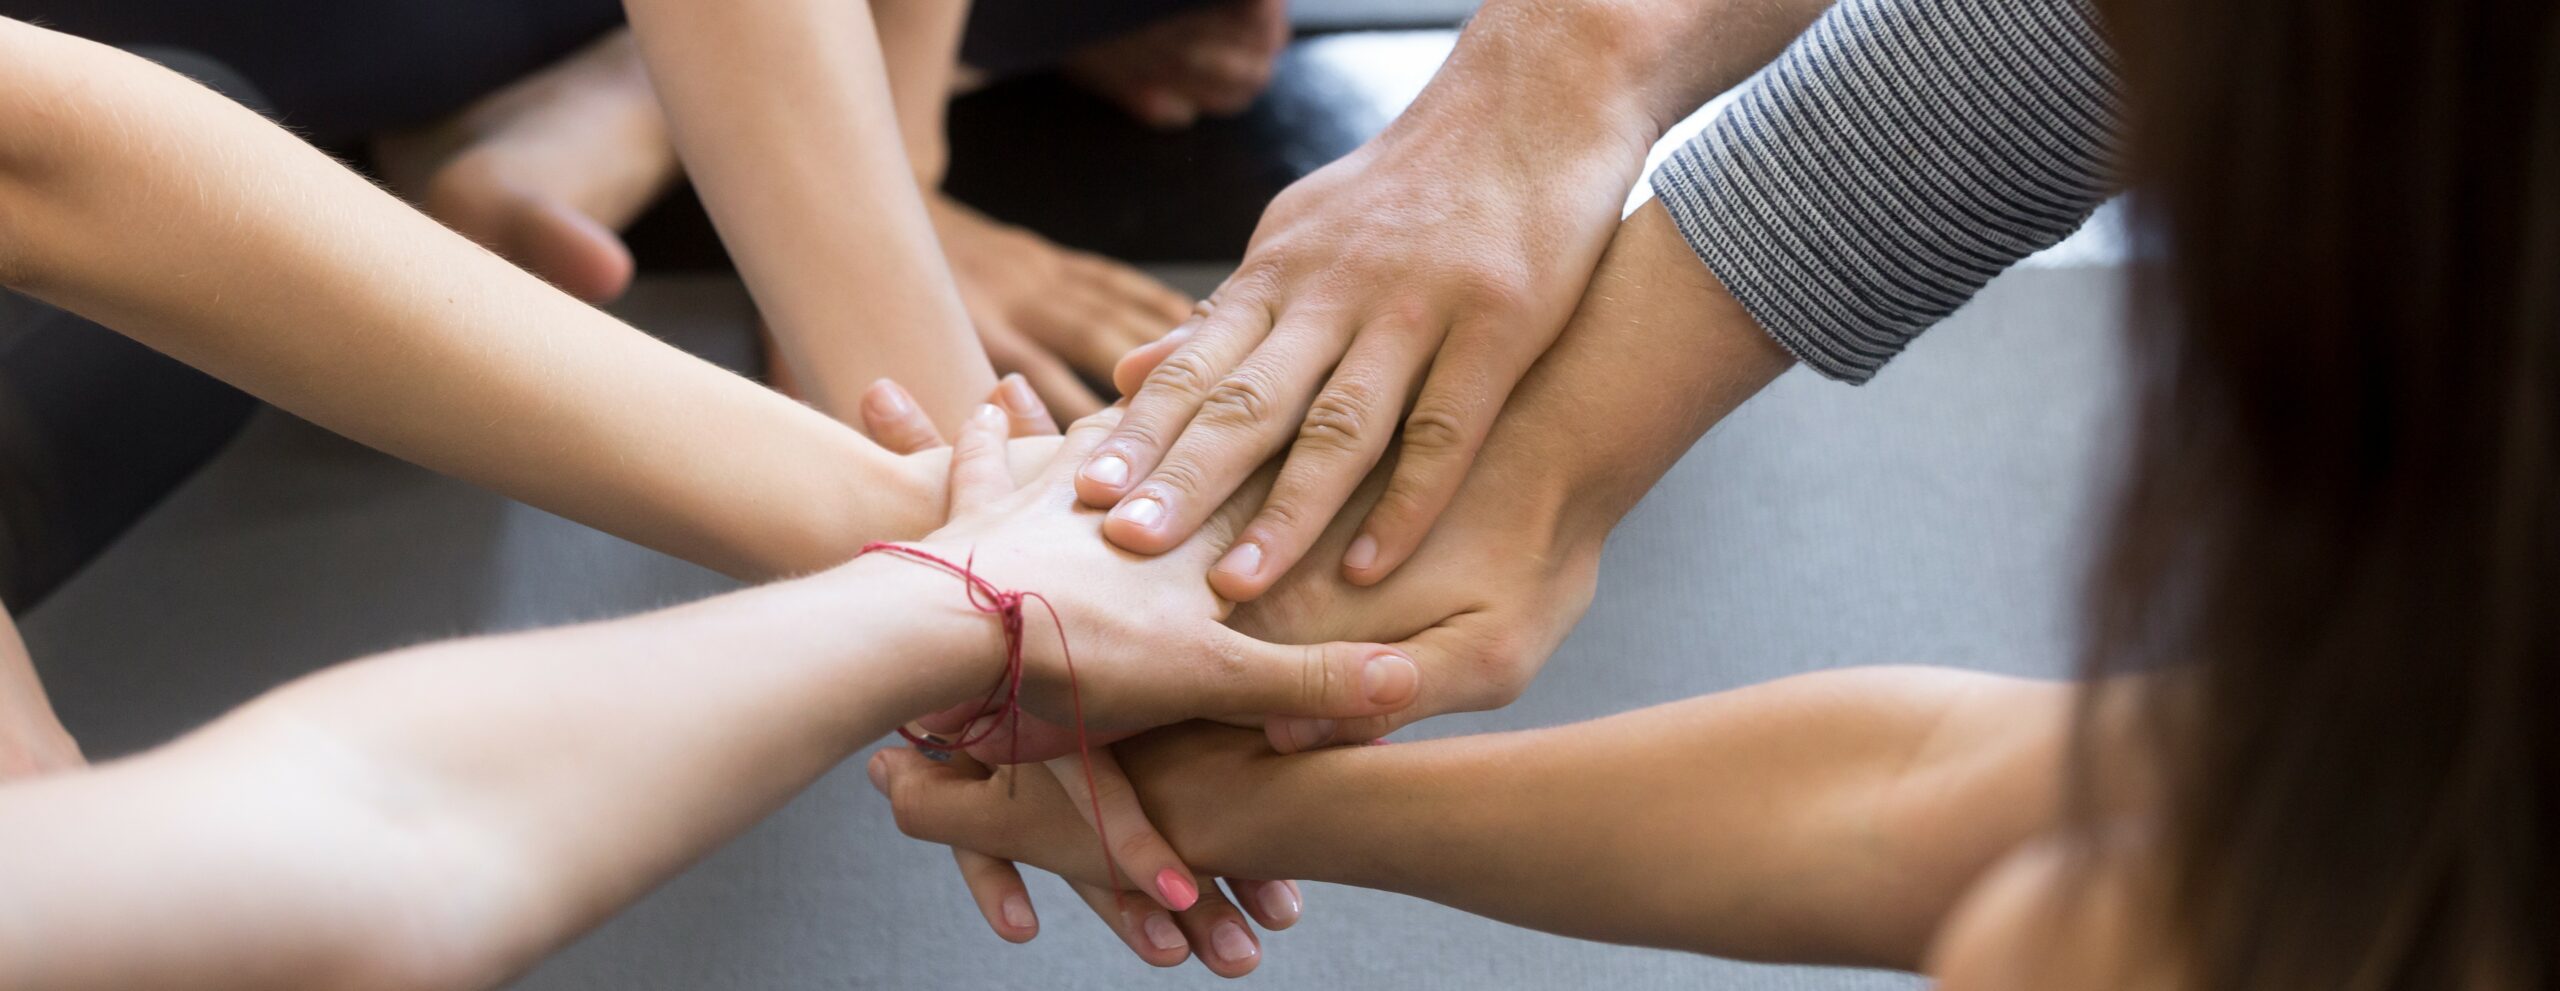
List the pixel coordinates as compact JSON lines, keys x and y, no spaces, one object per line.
{"x":150,"y":204}
{"x":1832,"y":818}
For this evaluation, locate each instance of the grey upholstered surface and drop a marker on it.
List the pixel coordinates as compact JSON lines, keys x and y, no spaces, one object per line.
{"x":1933,"y":516}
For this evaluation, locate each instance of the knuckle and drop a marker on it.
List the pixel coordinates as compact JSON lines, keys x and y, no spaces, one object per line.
{"x":1339,"y":419}
{"x":1133,"y":848}
{"x":1183,"y":374}
{"x":1435,"y":429}
{"x":1242,"y":399}
{"x":1182,"y":475}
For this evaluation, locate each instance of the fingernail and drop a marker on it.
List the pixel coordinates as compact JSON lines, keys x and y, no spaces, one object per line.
{"x":878,"y":768}
{"x":988,"y":414}
{"x":1182,"y":333}
{"x":1308,"y":734}
{"x":1242,"y":560}
{"x":1017,"y":912}
{"x":1388,"y":679}
{"x":1179,"y":894}
{"x":1018,"y":397}
{"x":1109,"y":469}
{"x":1232,"y":944}
{"x":1143,"y":512}
{"x":891,"y":400}
{"x":1161,"y":932}
{"x":1280,"y":902}
{"x":1362,"y":554}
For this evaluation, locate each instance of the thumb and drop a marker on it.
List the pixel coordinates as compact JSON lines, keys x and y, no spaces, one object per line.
{"x":1442,"y":650}
{"x":1331,"y":680}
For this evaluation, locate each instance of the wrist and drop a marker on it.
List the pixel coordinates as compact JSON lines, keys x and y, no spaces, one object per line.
{"x":1579,"y":69}
{"x":933,"y":648}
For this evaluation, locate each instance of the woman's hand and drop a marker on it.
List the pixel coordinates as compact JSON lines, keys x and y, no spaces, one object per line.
{"x":1046,"y":816}
{"x":1149,"y":628}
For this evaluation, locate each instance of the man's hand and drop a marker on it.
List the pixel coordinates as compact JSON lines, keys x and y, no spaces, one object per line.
{"x":1429,"y":270}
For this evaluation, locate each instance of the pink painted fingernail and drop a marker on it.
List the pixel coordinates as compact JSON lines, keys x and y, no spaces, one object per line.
{"x":1109,"y":469}
{"x":1232,"y":944}
{"x":1143,"y":512}
{"x":1162,"y":933}
{"x":1280,"y":902}
{"x":1242,"y":560}
{"x":1388,"y":679}
{"x":1017,"y":912}
{"x":1179,"y":893}
{"x":1362,"y":554}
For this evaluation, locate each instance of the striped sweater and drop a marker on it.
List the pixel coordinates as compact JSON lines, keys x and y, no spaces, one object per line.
{"x":1894,"y":159}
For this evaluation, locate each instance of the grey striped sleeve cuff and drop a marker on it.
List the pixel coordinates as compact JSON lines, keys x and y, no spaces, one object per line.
{"x":1892,"y":161}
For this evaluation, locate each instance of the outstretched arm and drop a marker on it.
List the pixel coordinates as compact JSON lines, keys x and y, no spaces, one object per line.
{"x":141,"y":200}
{"x":442,"y":816}
{"x":1833,"y":817}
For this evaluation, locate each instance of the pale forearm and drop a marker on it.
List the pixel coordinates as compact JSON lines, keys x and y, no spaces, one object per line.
{"x":782,"y":114}
{"x":1827,"y":818}
{"x":440,"y":817}
{"x":920,"y":44}
{"x":156,"y":207}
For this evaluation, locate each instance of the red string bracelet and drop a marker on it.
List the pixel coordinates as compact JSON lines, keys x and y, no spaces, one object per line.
{"x":1006,"y":606}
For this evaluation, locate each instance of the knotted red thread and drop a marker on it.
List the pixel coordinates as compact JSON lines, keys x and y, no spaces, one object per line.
{"x":1006,"y":606}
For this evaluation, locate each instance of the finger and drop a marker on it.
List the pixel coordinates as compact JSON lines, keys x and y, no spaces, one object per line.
{"x":997,"y":887}
{"x":980,"y":471}
{"x":1141,"y":360}
{"x":1242,"y":421}
{"x":1146,"y":927}
{"x":1275,"y":905}
{"x":1219,"y":936}
{"x":1165,"y":402}
{"x":1028,"y":416}
{"x":1342,"y":437}
{"x":1056,"y":383}
{"x":1439,"y":443}
{"x":955,"y":803}
{"x":1241,"y":674}
{"x":1470,"y":670}
{"x":1137,"y":849}
{"x":890,"y":415}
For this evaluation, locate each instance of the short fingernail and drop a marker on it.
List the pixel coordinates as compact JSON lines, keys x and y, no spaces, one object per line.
{"x":1308,"y":734}
{"x":1178,"y":891}
{"x":1017,"y":912}
{"x":1280,"y":902}
{"x":1109,"y":469}
{"x":1231,"y":943}
{"x":1161,"y":932}
{"x":1388,"y":679}
{"x":1362,"y":553}
{"x":1143,"y":512}
{"x":989,"y":415}
{"x":1183,"y":332}
{"x":1018,"y":397}
{"x":878,"y":768}
{"x":891,"y":399}
{"x":1242,"y":560}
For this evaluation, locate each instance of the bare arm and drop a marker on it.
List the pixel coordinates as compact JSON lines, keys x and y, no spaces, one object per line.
{"x":154,"y":206}
{"x":1832,"y":818}
{"x":442,"y":816}
{"x":781,"y":111}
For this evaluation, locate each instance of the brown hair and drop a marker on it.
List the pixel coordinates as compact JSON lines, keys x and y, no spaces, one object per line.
{"x":2338,"y":552}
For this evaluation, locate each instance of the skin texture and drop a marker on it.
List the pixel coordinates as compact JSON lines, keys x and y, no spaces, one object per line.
{"x":1402,"y":292}
{"x":32,"y":740}
{"x":1834,"y":818}
{"x":426,"y":819}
